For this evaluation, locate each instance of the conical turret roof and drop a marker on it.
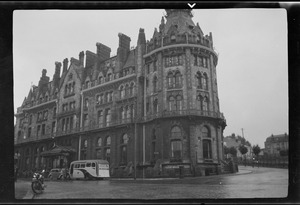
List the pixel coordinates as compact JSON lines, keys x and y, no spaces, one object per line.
{"x":181,"y":20}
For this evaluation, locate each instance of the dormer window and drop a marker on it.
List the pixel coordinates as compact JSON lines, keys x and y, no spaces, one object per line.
{"x":70,"y":77}
{"x":100,"y":79}
{"x":173,"y":38}
{"x":109,"y":77}
{"x":87,"y":84}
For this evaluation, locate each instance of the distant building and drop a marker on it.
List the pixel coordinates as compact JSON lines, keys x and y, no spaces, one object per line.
{"x":232,"y":141}
{"x":155,"y":105}
{"x":276,"y":143}
{"x":262,"y":152}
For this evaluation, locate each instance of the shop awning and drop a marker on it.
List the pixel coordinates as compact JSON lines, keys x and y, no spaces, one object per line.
{"x":58,"y":150}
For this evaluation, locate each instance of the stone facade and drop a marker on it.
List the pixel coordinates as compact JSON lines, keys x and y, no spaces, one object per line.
{"x":153,"y":108}
{"x":276,"y":143}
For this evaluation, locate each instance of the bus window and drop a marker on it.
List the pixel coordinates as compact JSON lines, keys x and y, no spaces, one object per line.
{"x":82,"y":165}
{"x":93,"y":164}
{"x":76,"y":165}
{"x":88,"y":164}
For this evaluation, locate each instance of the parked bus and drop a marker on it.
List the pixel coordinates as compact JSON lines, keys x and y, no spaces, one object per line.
{"x":89,"y":169}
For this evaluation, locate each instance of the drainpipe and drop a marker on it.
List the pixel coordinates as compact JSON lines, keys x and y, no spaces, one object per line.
{"x":81,"y":118}
{"x":144,"y":144}
{"x":135,"y":133}
{"x":218,"y":151}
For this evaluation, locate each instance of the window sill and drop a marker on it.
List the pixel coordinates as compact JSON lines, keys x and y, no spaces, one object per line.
{"x":175,"y":160}
{"x":69,"y":95}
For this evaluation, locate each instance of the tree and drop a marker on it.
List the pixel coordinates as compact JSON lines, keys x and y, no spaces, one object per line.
{"x":226,"y":151}
{"x":243,"y":149}
{"x":233,"y":151}
{"x":256,"y":149}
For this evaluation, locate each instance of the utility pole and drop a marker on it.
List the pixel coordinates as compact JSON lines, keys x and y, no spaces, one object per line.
{"x":243,"y":132}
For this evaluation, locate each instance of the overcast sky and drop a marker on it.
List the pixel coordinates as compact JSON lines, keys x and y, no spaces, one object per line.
{"x":252,"y":70}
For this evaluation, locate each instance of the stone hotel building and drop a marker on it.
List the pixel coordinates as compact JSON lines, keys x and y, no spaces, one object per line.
{"x":151,"y":111}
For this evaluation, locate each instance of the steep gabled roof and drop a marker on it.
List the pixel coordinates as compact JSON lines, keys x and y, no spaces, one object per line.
{"x":73,"y":66}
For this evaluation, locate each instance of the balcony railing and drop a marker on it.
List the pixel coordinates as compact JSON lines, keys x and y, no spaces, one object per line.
{"x":179,"y":40}
{"x":178,"y":113}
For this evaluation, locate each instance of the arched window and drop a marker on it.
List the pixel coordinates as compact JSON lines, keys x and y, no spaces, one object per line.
{"x":207,"y":152}
{"x":128,"y":113}
{"x":155,"y":106}
{"x":178,"y":81}
{"x":122,"y":91}
{"x":29,"y":132}
{"x":171,"y":103}
{"x":85,"y":120}
{"x":195,"y":60}
{"x":205,"y":132}
{"x":176,"y":143}
{"x":109,"y":77}
{"x":87,"y":84}
{"x":176,"y":132}
{"x":173,"y":38}
{"x":100,"y":99}
{"x":155,"y":84}
{"x":100,"y":79}
{"x":30,"y":119}
{"x":122,"y":109}
{"x":205,"y":104}
{"x":131,"y":91}
{"x":108,"y":117}
{"x":107,"y":148}
{"x":107,"y":154}
{"x":100,"y":118}
{"x":205,"y":82}
{"x":170,"y":79}
{"x":199,"y":61}
{"x":132,"y":111}
{"x":204,"y":63}
{"x":123,"y":147}
{"x":199,"y":102}
{"x":108,"y":141}
{"x":125,"y":139}
{"x":178,"y":102}
{"x":99,"y":142}
{"x":199,"y":80}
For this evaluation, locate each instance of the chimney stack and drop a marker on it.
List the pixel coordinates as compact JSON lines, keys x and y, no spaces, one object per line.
{"x":43,"y":80}
{"x":103,"y":52}
{"x":142,"y":37}
{"x":57,"y":69}
{"x":65,"y":65}
{"x":81,"y":58}
{"x":123,"y":50}
{"x":56,"y":75}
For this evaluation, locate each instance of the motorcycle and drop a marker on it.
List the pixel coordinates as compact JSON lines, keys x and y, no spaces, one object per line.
{"x":37,"y":183}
